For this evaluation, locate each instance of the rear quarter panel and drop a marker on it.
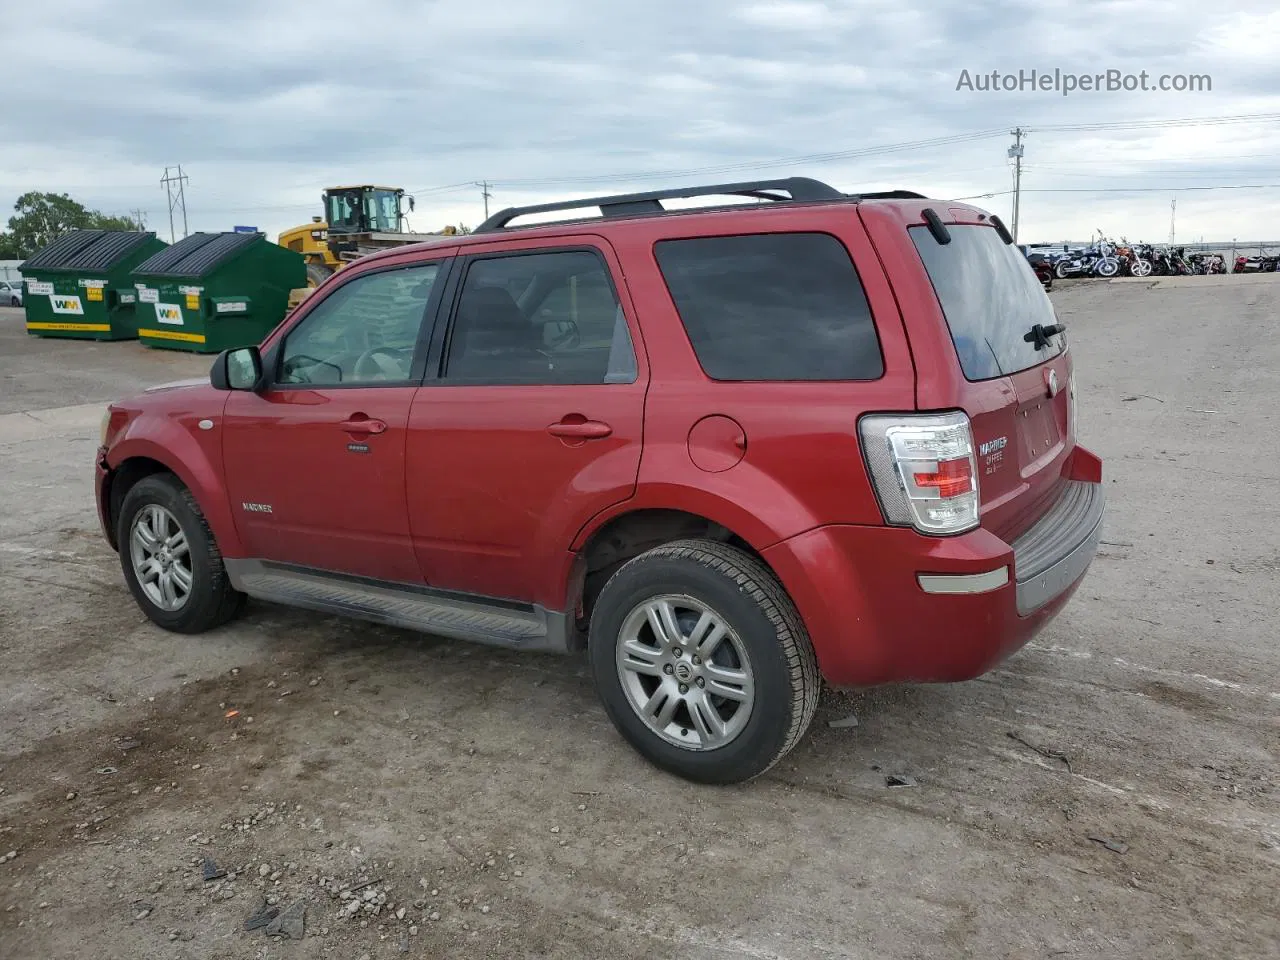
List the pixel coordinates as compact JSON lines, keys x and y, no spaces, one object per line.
{"x":802,"y":465}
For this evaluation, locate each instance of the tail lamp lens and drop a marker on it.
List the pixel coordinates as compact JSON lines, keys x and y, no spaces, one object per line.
{"x":924,"y":470}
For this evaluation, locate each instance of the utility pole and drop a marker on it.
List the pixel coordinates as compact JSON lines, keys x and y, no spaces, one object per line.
{"x":484,"y":192}
{"x":1173,"y":210}
{"x":176,"y":198}
{"x":1015,"y":152}
{"x":139,"y":218}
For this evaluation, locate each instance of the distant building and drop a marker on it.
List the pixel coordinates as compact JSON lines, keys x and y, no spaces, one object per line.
{"x":9,"y":270}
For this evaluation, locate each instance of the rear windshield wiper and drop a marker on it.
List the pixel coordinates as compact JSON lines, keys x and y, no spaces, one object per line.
{"x":1040,"y":334}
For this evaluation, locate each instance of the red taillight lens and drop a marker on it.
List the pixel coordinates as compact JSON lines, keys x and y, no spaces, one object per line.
{"x":952,"y":478}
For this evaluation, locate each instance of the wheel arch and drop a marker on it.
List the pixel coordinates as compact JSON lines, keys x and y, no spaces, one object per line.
{"x":137,"y":458}
{"x":613,"y":539}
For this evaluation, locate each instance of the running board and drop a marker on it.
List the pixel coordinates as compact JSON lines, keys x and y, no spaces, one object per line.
{"x":460,"y":616}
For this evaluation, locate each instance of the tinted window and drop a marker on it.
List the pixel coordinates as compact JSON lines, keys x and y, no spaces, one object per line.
{"x":363,"y":332}
{"x":781,"y":306}
{"x":990,"y":297}
{"x":540,"y":318}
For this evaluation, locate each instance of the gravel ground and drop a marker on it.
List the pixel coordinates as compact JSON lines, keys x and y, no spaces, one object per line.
{"x":1111,"y":791}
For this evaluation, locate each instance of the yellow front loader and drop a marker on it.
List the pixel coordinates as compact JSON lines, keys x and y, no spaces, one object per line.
{"x":358,"y":221}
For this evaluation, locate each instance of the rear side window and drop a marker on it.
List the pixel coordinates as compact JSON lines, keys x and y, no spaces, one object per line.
{"x":774,"y":306}
{"x":990,"y":297}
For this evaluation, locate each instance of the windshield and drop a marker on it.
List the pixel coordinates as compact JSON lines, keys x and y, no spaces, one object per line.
{"x":991,"y":299}
{"x":383,"y":212}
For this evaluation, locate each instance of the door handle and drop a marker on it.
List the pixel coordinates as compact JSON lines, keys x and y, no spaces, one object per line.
{"x":359,"y":423}
{"x":581,"y":430}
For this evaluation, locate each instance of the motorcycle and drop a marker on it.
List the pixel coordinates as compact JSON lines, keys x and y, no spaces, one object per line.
{"x":1099,"y":260}
{"x":1257,"y":264}
{"x":1132,"y":261}
{"x":1040,"y":265}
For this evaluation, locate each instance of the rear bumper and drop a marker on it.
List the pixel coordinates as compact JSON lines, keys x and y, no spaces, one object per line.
{"x":1057,"y":551}
{"x":887,"y":605}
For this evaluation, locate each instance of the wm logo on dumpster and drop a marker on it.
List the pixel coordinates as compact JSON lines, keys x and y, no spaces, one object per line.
{"x":169,"y":313}
{"x":63,"y":304}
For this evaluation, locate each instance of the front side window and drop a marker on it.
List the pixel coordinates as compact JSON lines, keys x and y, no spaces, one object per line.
{"x":540,"y":318}
{"x":366,"y":331}
{"x":775,"y":306}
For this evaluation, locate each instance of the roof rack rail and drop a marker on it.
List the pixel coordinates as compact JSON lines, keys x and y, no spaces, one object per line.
{"x":631,"y":204}
{"x":891,"y":195}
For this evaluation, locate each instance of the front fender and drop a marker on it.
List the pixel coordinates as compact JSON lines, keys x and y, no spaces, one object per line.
{"x":191,"y":454}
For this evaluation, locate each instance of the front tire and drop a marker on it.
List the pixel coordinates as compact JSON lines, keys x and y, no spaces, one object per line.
{"x":170,"y":559}
{"x":702,"y":661}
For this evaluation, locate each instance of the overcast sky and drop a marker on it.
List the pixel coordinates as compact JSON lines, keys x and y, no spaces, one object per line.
{"x":265,"y":103}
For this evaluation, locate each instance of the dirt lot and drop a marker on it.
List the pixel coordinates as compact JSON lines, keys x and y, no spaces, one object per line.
{"x":1109,"y":792}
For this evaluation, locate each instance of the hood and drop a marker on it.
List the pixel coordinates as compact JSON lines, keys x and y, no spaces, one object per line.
{"x":179,"y":385}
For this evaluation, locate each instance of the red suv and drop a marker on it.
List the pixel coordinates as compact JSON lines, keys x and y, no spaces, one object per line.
{"x":730,"y":451}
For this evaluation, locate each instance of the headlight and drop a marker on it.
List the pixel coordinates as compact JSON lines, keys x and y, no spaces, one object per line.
{"x":106,"y":422}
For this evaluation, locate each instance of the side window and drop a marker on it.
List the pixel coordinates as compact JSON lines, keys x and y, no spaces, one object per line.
{"x":364,"y":332}
{"x":777,"y":306}
{"x":540,"y":318}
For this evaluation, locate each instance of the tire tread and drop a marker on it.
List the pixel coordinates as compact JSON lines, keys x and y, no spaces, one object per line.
{"x":755,"y":580}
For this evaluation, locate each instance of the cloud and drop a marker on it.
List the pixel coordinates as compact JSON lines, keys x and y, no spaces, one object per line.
{"x":266,"y":103}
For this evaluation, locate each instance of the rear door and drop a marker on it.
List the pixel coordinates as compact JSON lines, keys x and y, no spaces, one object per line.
{"x":533,"y":421}
{"x":973,"y":309}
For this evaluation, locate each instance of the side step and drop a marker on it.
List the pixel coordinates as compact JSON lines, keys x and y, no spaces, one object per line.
{"x":503,"y":623}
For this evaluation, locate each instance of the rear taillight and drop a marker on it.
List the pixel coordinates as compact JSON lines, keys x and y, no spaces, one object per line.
{"x":924,"y":470}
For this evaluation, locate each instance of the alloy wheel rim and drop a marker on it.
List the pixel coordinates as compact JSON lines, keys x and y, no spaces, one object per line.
{"x":685,"y":672}
{"x":161,"y":558}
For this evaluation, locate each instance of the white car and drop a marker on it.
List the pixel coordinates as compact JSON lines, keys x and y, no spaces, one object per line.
{"x":10,"y":293}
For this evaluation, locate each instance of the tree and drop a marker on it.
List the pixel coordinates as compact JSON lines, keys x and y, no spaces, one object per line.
{"x":41,"y":218}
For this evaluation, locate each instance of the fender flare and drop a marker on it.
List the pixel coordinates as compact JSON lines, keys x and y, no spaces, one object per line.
{"x":179,"y":453}
{"x":713,"y":506}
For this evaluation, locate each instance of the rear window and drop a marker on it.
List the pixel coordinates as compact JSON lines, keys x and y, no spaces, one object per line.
{"x":990,"y":297}
{"x":776,"y":306}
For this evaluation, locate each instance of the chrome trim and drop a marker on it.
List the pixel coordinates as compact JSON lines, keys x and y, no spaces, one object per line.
{"x":1081,"y":539}
{"x":964,"y":582}
{"x":488,"y":620}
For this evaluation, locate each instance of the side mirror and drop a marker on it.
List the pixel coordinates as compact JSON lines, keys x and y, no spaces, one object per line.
{"x":239,"y":369}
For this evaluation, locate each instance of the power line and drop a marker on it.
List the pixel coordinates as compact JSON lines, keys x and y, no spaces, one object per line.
{"x":1219,"y":186}
{"x":748,"y":165}
{"x":1158,"y":124}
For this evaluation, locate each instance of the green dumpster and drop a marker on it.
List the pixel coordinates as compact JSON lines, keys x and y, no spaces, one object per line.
{"x":79,"y":287}
{"x":215,"y":291}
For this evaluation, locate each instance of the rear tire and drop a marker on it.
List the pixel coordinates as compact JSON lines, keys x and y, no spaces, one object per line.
{"x":1061,"y":270}
{"x":758,"y":659}
{"x":317,"y":273}
{"x":170,"y":560}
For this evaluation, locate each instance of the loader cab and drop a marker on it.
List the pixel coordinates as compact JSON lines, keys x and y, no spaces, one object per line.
{"x":365,"y":209}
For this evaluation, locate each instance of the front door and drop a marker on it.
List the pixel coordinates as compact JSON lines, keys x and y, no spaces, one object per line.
{"x":315,"y":463}
{"x":534,"y":424}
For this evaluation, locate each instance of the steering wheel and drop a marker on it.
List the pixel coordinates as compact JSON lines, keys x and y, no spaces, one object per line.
{"x":382,"y":363}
